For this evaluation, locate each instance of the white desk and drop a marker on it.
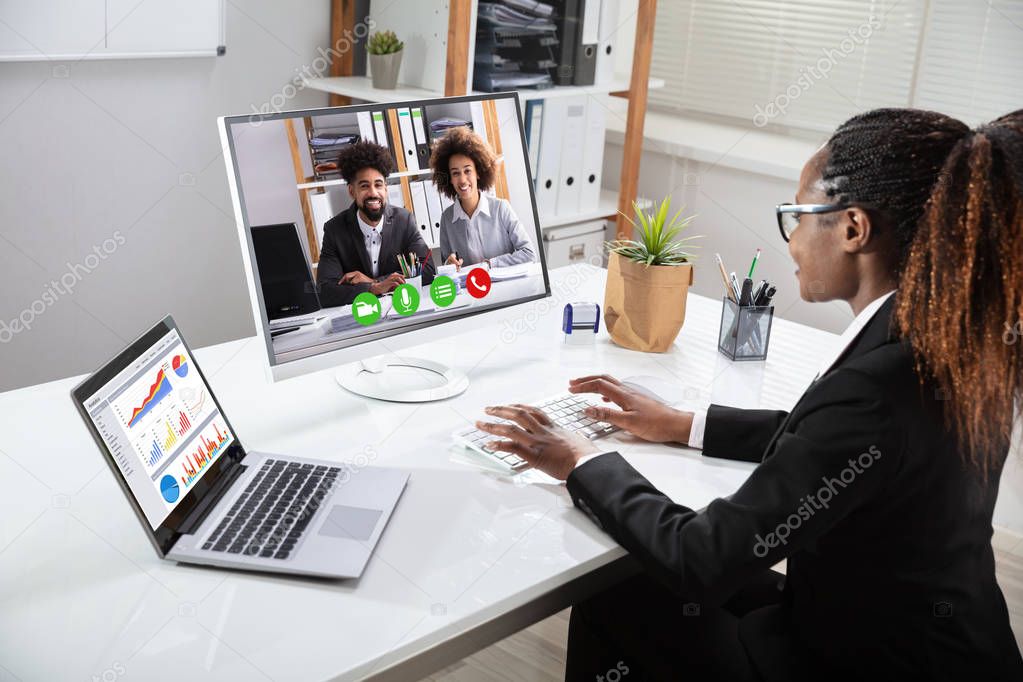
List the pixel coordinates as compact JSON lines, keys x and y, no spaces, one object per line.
{"x":468,"y":557}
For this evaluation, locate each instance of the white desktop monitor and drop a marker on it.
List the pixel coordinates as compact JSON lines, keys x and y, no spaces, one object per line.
{"x":282,"y":169}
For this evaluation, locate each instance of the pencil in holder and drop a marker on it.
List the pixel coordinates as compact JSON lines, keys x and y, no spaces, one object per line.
{"x":745,"y":331}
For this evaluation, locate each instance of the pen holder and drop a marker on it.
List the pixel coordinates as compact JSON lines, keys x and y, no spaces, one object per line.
{"x":745,"y":331}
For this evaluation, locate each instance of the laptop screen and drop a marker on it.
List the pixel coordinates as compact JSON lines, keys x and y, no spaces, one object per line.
{"x":159,"y":422}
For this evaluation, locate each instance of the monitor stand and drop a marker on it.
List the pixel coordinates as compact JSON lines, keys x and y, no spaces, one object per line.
{"x":402,"y":380}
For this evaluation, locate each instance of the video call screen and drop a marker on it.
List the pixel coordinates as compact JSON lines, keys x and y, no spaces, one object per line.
{"x":449,"y":231}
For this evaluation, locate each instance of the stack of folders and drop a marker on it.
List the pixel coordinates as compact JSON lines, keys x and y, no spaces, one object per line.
{"x":411,"y":147}
{"x":325,"y":146}
{"x":442,"y":125}
{"x":411,"y":187}
{"x":571,"y":41}
{"x":516,"y":42}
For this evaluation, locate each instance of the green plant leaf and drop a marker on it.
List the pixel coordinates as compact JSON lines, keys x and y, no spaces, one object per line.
{"x":662,"y":214}
{"x":660,"y":241}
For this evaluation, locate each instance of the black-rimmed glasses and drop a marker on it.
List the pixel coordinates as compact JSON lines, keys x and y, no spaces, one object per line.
{"x":788,"y":215}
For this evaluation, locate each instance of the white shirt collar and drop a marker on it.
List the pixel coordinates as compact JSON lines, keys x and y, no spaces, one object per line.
{"x":368,"y":229}
{"x":483,"y":206}
{"x":853,"y":330}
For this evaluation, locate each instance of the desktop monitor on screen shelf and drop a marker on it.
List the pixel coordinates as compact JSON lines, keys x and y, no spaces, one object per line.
{"x":326,"y":281}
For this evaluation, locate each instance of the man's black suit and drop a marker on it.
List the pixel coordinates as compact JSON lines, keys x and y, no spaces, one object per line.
{"x":890,"y":569}
{"x":344,"y":250}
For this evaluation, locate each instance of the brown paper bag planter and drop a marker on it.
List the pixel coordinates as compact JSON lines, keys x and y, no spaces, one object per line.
{"x":648,"y":279}
{"x":645,"y":305}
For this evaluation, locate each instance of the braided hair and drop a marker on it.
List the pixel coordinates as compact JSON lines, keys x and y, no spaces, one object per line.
{"x":890,"y":160}
{"x":954,"y":199}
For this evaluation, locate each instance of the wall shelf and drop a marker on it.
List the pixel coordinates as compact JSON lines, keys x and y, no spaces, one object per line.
{"x":361,"y":87}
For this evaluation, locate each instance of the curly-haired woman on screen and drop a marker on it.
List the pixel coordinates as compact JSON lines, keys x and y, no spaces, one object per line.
{"x":476,"y":228}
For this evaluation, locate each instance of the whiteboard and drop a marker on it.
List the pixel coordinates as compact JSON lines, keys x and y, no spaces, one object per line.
{"x":110,"y":29}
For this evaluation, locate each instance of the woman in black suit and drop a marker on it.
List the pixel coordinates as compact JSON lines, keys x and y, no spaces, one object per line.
{"x":878,"y":487}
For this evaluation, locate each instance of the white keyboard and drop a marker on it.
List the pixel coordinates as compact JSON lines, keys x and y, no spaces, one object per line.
{"x":565,"y":410}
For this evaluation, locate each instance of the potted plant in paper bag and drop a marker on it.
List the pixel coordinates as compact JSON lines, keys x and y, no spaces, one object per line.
{"x":648,"y":279}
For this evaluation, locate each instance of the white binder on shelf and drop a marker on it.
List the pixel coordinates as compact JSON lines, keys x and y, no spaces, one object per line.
{"x":323,"y":210}
{"x":433,"y":203}
{"x":608,"y":43}
{"x":570,"y":180}
{"x":534,"y":128}
{"x":408,"y":139}
{"x":395,"y":196}
{"x":549,"y":157}
{"x":593,"y":154}
{"x":366,"y":132}
{"x":445,"y":201}
{"x":380,"y":128}
{"x":420,"y":209}
{"x":479,"y":123}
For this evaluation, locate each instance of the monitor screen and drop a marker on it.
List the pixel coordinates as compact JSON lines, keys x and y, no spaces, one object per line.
{"x":408,"y":215}
{"x":160,"y":424}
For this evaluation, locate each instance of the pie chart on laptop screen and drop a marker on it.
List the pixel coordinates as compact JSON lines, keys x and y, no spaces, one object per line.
{"x":169,"y":488}
{"x":180,"y":365}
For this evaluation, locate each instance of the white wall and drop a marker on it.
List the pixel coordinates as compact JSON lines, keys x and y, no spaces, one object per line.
{"x":127,"y":151}
{"x":268,"y":175}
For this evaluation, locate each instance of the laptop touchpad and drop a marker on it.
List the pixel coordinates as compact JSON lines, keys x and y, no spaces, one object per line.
{"x":351,"y":523}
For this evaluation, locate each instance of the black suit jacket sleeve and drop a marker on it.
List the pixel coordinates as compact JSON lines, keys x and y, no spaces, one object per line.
{"x":330,"y":270}
{"x":733,"y":433}
{"x":705,"y":556}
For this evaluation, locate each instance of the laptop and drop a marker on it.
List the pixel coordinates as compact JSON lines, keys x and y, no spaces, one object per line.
{"x":201,"y":497}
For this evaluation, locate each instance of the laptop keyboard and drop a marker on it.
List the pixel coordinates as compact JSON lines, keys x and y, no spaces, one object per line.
{"x":566,"y":410}
{"x":269,"y":518}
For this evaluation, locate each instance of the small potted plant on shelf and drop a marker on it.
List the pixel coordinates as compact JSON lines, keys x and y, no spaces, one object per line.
{"x":385,"y":52}
{"x":648,"y":280}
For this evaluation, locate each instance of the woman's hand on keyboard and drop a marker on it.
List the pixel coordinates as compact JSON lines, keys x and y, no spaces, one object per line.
{"x":532,"y":436}
{"x":640,"y":415}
